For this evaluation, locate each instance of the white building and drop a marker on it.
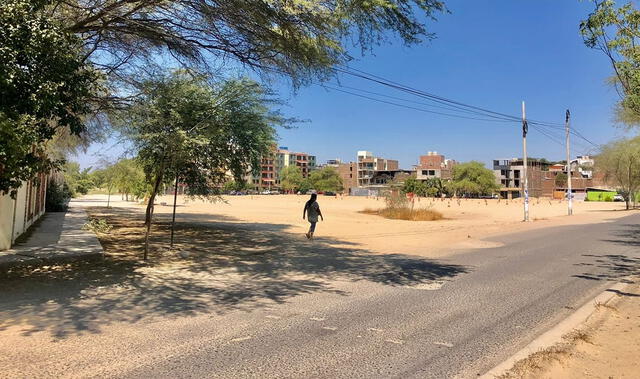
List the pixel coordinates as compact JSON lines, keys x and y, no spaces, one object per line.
{"x":17,"y":215}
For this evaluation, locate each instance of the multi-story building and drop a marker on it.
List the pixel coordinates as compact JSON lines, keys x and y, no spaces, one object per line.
{"x":434,"y":165}
{"x":271,"y":165}
{"x":510,"y":176}
{"x":542,"y":177}
{"x":368,"y":165}
{"x":347,"y":171}
{"x":584,"y":165}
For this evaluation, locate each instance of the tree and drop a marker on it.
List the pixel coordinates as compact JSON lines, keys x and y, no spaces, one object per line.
{"x":183,"y":126}
{"x":78,"y":181}
{"x":326,"y":179}
{"x":561,"y":180}
{"x":45,"y":87}
{"x":616,"y":32}
{"x":620,"y":162}
{"x":473,"y":178}
{"x":129,"y":178}
{"x":291,"y":178}
{"x":300,"y":39}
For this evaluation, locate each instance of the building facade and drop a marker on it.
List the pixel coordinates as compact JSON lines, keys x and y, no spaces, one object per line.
{"x":434,"y":165}
{"x":543,"y":177}
{"x":509,"y":175}
{"x":348,"y":173}
{"x":368,"y":165}
{"x":271,"y":165}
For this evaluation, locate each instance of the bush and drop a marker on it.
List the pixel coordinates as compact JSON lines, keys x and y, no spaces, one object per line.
{"x":398,"y":208}
{"x":97,"y":225}
{"x":58,"y":196}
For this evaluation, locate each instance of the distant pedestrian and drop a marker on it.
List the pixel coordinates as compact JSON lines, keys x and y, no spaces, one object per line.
{"x":311,"y":212}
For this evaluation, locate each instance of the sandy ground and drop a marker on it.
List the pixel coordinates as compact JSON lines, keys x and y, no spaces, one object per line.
{"x":609,"y":349}
{"x":468,"y":224}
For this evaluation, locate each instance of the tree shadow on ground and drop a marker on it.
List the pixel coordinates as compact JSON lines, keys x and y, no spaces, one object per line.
{"x":615,"y":267}
{"x":217,"y":267}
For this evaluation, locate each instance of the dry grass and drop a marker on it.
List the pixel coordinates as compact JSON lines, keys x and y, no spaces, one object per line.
{"x":534,"y":364}
{"x":405,"y":214}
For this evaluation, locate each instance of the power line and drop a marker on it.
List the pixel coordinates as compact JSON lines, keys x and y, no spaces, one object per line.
{"x":458,"y":106}
{"x":411,"y":107}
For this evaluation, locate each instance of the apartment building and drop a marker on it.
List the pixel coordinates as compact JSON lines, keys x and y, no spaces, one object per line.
{"x":271,"y":165}
{"x":510,"y":176}
{"x":367,"y":165}
{"x":348,"y":173}
{"x":584,"y":165}
{"x":542,"y":177}
{"x":434,"y":165}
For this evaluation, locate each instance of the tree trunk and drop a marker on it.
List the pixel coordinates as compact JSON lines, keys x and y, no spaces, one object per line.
{"x":109,"y":197}
{"x":149,"y":212}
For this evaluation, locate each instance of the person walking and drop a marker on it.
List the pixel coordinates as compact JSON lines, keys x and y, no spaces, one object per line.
{"x":311,"y":212}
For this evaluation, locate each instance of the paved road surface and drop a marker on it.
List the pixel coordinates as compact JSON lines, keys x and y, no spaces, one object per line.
{"x":392,"y":317}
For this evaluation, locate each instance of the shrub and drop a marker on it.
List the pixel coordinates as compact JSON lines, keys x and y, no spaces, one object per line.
{"x":398,"y":208}
{"x":97,"y":225}
{"x":58,"y":195}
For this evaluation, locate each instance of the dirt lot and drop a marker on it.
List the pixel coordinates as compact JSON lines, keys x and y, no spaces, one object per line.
{"x":467,"y":223}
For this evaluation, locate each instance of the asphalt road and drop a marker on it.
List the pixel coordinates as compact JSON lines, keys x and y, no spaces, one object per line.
{"x":395,"y":317}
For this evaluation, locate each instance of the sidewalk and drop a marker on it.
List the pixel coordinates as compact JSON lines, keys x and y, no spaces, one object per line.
{"x":56,"y":238}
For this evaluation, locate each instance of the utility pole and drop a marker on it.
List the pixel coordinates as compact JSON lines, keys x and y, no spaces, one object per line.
{"x":525,"y":129}
{"x":569,"y":191}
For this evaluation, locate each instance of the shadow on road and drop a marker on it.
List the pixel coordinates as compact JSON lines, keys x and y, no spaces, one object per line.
{"x":219,"y":265}
{"x":615,"y":267}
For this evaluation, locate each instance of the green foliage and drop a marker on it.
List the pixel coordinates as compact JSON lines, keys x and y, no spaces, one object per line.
{"x":326,"y":179}
{"x":615,"y":30}
{"x":58,"y":195}
{"x":234,"y":185}
{"x":431,"y":187}
{"x":79,"y":182}
{"x":129,"y":178}
{"x":473,"y":178}
{"x":183,"y":124}
{"x":300,"y":38}
{"x":620,"y":162}
{"x":561,"y":180}
{"x":291,"y":178}
{"x":45,"y":86}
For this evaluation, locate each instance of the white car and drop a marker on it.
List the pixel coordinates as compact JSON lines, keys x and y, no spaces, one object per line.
{"x":266,"y":192}
{"x":618,"y":198}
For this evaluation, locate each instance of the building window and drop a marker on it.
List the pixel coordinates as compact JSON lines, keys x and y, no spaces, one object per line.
{"x":432,"y":172}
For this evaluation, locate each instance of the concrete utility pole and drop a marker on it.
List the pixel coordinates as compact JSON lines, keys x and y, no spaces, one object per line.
{"x":525,"y":129}
{"x":569,"y":192}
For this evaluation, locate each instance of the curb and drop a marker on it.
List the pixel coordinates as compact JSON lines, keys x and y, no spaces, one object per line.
{"x":555,"y":334}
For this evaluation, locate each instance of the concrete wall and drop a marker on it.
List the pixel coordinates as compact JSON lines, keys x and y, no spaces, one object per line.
{"x":16,"y":216}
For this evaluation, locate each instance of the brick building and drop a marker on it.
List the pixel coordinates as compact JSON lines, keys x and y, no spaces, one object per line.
{"x":434,"y":165}
{"x":368,"y":165}
{"x":271,"y":165}
{"x":348,"y":173}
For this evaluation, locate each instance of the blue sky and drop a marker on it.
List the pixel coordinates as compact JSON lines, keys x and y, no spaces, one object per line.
{"x":489,"y":53}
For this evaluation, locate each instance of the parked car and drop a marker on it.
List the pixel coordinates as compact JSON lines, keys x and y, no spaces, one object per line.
{"x":618,"y":198}
{"x":329,"y":193}
{"x":265,"y":192}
